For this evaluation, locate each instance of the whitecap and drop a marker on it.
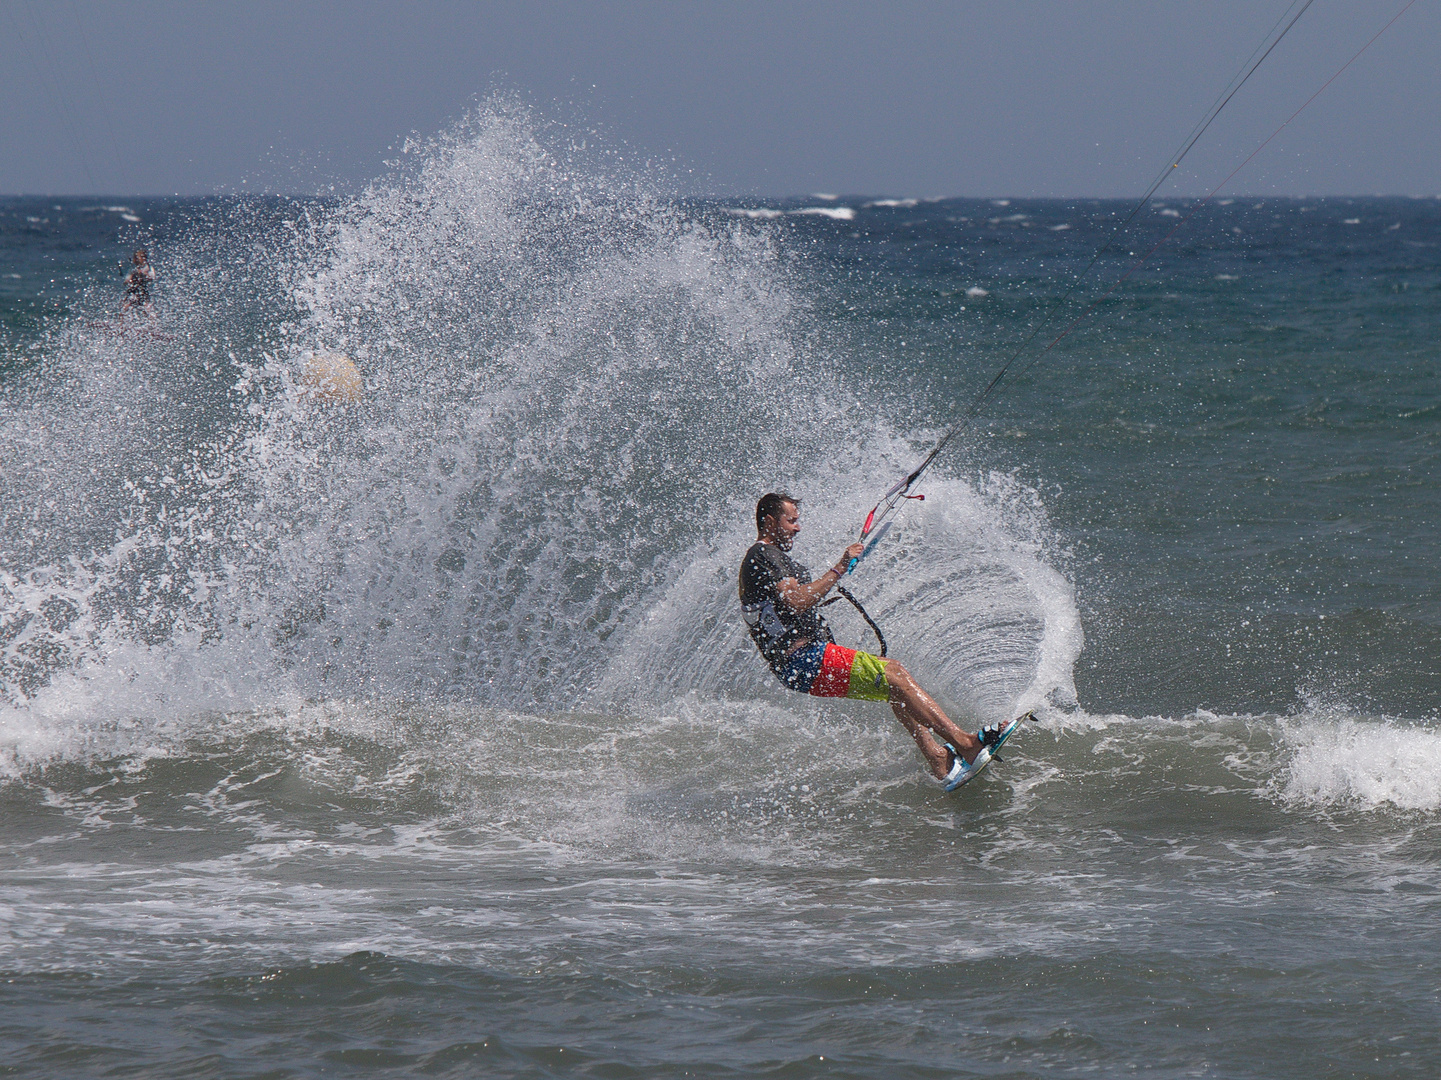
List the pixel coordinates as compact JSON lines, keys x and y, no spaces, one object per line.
{"x":904,"y":204}
{"x":837,"y":213}
{"x":1362,"y":763}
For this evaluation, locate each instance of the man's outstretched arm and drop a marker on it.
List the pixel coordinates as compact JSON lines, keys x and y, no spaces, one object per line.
{"x":804,"y":597}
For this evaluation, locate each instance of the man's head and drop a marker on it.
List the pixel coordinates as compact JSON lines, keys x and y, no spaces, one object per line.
{"x":778,"y":519}
{"x":139,"y":257}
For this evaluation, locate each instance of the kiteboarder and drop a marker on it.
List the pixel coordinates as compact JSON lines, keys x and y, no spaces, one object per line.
{"x":137,"y":284}
{"x":780,"y":604}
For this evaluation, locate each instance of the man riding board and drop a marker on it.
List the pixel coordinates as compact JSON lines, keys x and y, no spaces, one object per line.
{"x":137,"y":284}
{"x":781,"y":606}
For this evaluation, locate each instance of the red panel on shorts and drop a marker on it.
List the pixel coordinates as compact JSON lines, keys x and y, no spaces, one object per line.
{"x":834,"y":679}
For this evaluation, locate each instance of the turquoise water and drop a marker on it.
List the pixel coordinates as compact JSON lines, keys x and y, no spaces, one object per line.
{"x":420,"y":736}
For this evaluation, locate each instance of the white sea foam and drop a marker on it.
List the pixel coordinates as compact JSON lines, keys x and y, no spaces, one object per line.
{"x":1339,"y":761}
{"x":896,"y":203}
{"x":762,"y":213}
{"x":125,"y":698}
{"x":1326,"y":759}
{"x":975,"y":292}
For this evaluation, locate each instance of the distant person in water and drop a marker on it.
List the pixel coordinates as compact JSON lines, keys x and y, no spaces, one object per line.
{"x":780,"y":604}
{"x":137,"y":284}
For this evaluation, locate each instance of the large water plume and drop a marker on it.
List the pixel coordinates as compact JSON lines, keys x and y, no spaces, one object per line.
{"x":575,"y":389}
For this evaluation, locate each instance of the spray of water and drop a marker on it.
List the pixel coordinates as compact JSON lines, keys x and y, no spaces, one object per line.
{"x":574,"y":390}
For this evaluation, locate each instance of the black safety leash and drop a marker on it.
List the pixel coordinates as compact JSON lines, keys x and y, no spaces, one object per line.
{"x":846,"y":593}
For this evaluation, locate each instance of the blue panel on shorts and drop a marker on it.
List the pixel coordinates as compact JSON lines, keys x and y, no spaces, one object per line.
{"x":802,"y":667}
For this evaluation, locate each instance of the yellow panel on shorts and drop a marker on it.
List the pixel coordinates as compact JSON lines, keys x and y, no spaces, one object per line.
{"x":868,"y":678}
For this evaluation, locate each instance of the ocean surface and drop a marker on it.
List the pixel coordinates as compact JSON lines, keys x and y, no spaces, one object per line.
{"x":420,"y":736}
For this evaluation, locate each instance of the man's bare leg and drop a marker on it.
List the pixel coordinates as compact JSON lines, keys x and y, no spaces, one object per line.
{"x":920,"y":715}
{"x":936,"y":755}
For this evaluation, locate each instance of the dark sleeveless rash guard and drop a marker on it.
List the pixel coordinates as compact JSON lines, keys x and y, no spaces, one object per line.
{"x":774,"y":625}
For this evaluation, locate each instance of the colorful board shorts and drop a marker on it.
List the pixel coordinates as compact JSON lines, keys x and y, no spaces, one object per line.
{"x":825,"y":670}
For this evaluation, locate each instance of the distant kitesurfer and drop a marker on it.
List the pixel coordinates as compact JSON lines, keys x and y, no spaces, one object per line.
{"x":780,"y":604}
{"x":137,"y":284}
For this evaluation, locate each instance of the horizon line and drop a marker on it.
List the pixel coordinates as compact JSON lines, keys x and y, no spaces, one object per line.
{"x":836,"y":198}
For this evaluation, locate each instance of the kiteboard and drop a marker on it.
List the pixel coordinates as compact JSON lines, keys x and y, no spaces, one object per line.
{"x":962,"y":774}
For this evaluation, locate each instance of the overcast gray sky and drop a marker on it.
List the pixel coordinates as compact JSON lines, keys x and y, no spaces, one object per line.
{"x":973,"y":97}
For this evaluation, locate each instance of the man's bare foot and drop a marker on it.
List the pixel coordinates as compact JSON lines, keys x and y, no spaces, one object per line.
{"x":942,"y":761}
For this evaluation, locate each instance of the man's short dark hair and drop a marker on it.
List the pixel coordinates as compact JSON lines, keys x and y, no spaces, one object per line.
{"x":770,"y":505}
